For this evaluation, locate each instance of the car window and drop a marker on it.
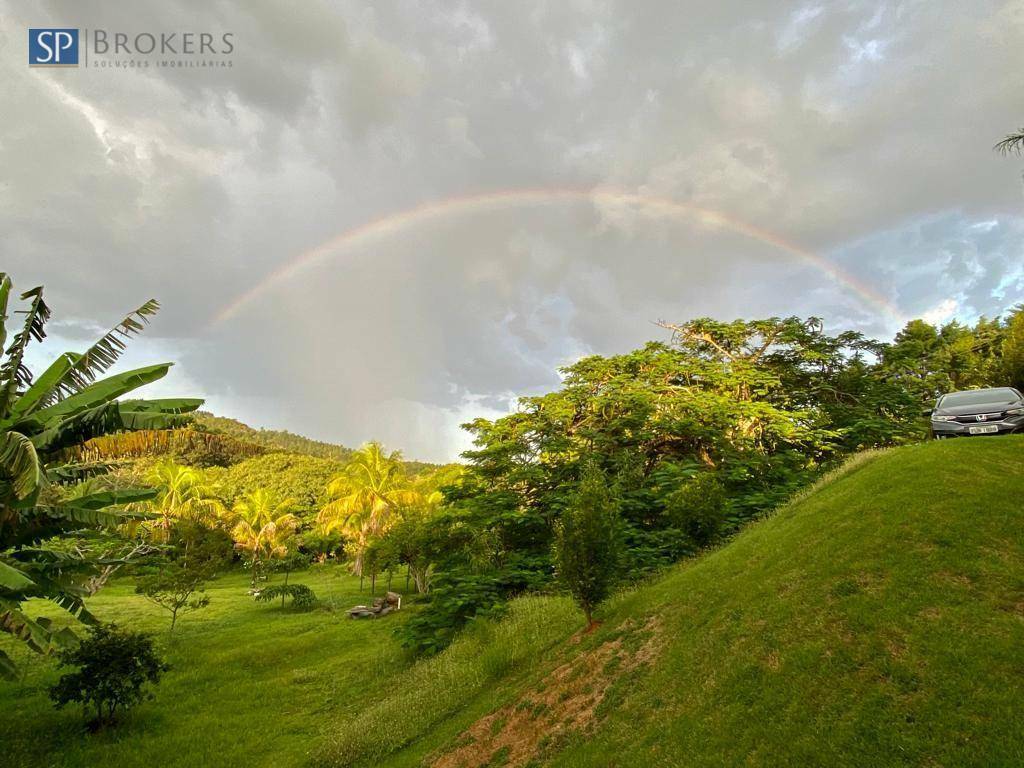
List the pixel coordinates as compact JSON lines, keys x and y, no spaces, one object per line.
{"x":976,"y":397}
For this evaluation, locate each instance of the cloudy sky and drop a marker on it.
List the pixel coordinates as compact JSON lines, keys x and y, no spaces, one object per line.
{"x":456,"y":198}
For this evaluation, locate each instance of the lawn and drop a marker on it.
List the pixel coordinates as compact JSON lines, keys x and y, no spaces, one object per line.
{"x":250,"y":684}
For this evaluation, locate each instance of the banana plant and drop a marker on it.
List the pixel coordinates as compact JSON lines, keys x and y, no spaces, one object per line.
{"x":40,"y":417}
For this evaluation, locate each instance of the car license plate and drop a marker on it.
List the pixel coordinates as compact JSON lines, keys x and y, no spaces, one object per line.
{"x":992,"y":428}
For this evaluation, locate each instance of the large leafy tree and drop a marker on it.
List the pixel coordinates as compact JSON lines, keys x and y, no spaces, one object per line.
{"x":366,"y":497}
{"x":40,"y":417}
{"x":759,"y":406}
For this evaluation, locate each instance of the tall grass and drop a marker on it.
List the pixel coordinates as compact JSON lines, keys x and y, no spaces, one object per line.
{"x":434,"y":689}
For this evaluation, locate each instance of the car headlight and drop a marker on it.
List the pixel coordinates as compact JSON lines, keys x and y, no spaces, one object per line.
{"x":1015,"y":412}
{"x":943,"y":418}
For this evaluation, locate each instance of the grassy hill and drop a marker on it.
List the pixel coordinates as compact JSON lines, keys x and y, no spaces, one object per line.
{"x":272,"y":439}
{"x":878,"y":620}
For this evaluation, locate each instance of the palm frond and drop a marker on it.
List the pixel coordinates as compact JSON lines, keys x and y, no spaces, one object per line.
{"x":14,"y":374}
{"x":101,"y":355}
{"x":1012,"y":144}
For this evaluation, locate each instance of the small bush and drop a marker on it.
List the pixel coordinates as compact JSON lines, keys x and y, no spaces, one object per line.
{"x":114,"y":667}
{"x":301,"y":595}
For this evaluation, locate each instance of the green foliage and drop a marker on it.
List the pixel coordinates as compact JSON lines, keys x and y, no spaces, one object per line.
{"x":698,"y":436}
{"x":182,"y":496}
{"x":303,"y":479}
{"x":41,"y":417}
{"x":458,"y":597}
{"x":698,"y":508}
{"x":588,"y":542}
{"x":115,"y":668}
{"x":263,"y":526}
{"x":237,"y":662}
{"x":928,"y":361}
{"x":176,"y":588}
{"x":321,"y":546}
{"x":301,"y":595}
{"x":1012,"y":349}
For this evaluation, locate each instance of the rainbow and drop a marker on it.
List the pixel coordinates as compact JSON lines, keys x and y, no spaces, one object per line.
{"x":660,"y":207}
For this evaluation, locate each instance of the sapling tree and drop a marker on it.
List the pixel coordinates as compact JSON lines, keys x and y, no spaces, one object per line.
{"x":588,"y":542}
{"x":177,"y":582}
{"x":176,"y":588}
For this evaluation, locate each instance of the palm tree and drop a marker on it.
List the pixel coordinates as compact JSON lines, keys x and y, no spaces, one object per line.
{"x":41,"y":417}
{"x":365,"y":497}
{"x":263,"y":526}
{"x":1013,"y":143}
{"x":181,"y":495}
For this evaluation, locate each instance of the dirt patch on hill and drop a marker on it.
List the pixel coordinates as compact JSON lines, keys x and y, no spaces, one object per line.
{"x":568,"y":700}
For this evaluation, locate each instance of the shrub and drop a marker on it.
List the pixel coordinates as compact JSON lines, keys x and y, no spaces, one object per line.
{"x":114,"y":667}
{"x":459,"y":596}
{"x":301,"y":595}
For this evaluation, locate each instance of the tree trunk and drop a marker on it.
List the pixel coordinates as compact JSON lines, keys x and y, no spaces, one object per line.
{"x":407,"y":567}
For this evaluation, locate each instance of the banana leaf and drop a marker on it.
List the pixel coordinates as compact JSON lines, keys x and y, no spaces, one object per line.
{"x":100,"y":393}
{"x":12,"y":579}
{"x":108,"y":418}
{"x":43,"y":386}
{"x":20,"y":465}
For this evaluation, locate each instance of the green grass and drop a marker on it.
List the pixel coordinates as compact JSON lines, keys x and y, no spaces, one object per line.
{"x":250,"y":684}
{"x":876,"y":620}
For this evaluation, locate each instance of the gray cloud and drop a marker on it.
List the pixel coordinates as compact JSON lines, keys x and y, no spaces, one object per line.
{"x":859,"y":130}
